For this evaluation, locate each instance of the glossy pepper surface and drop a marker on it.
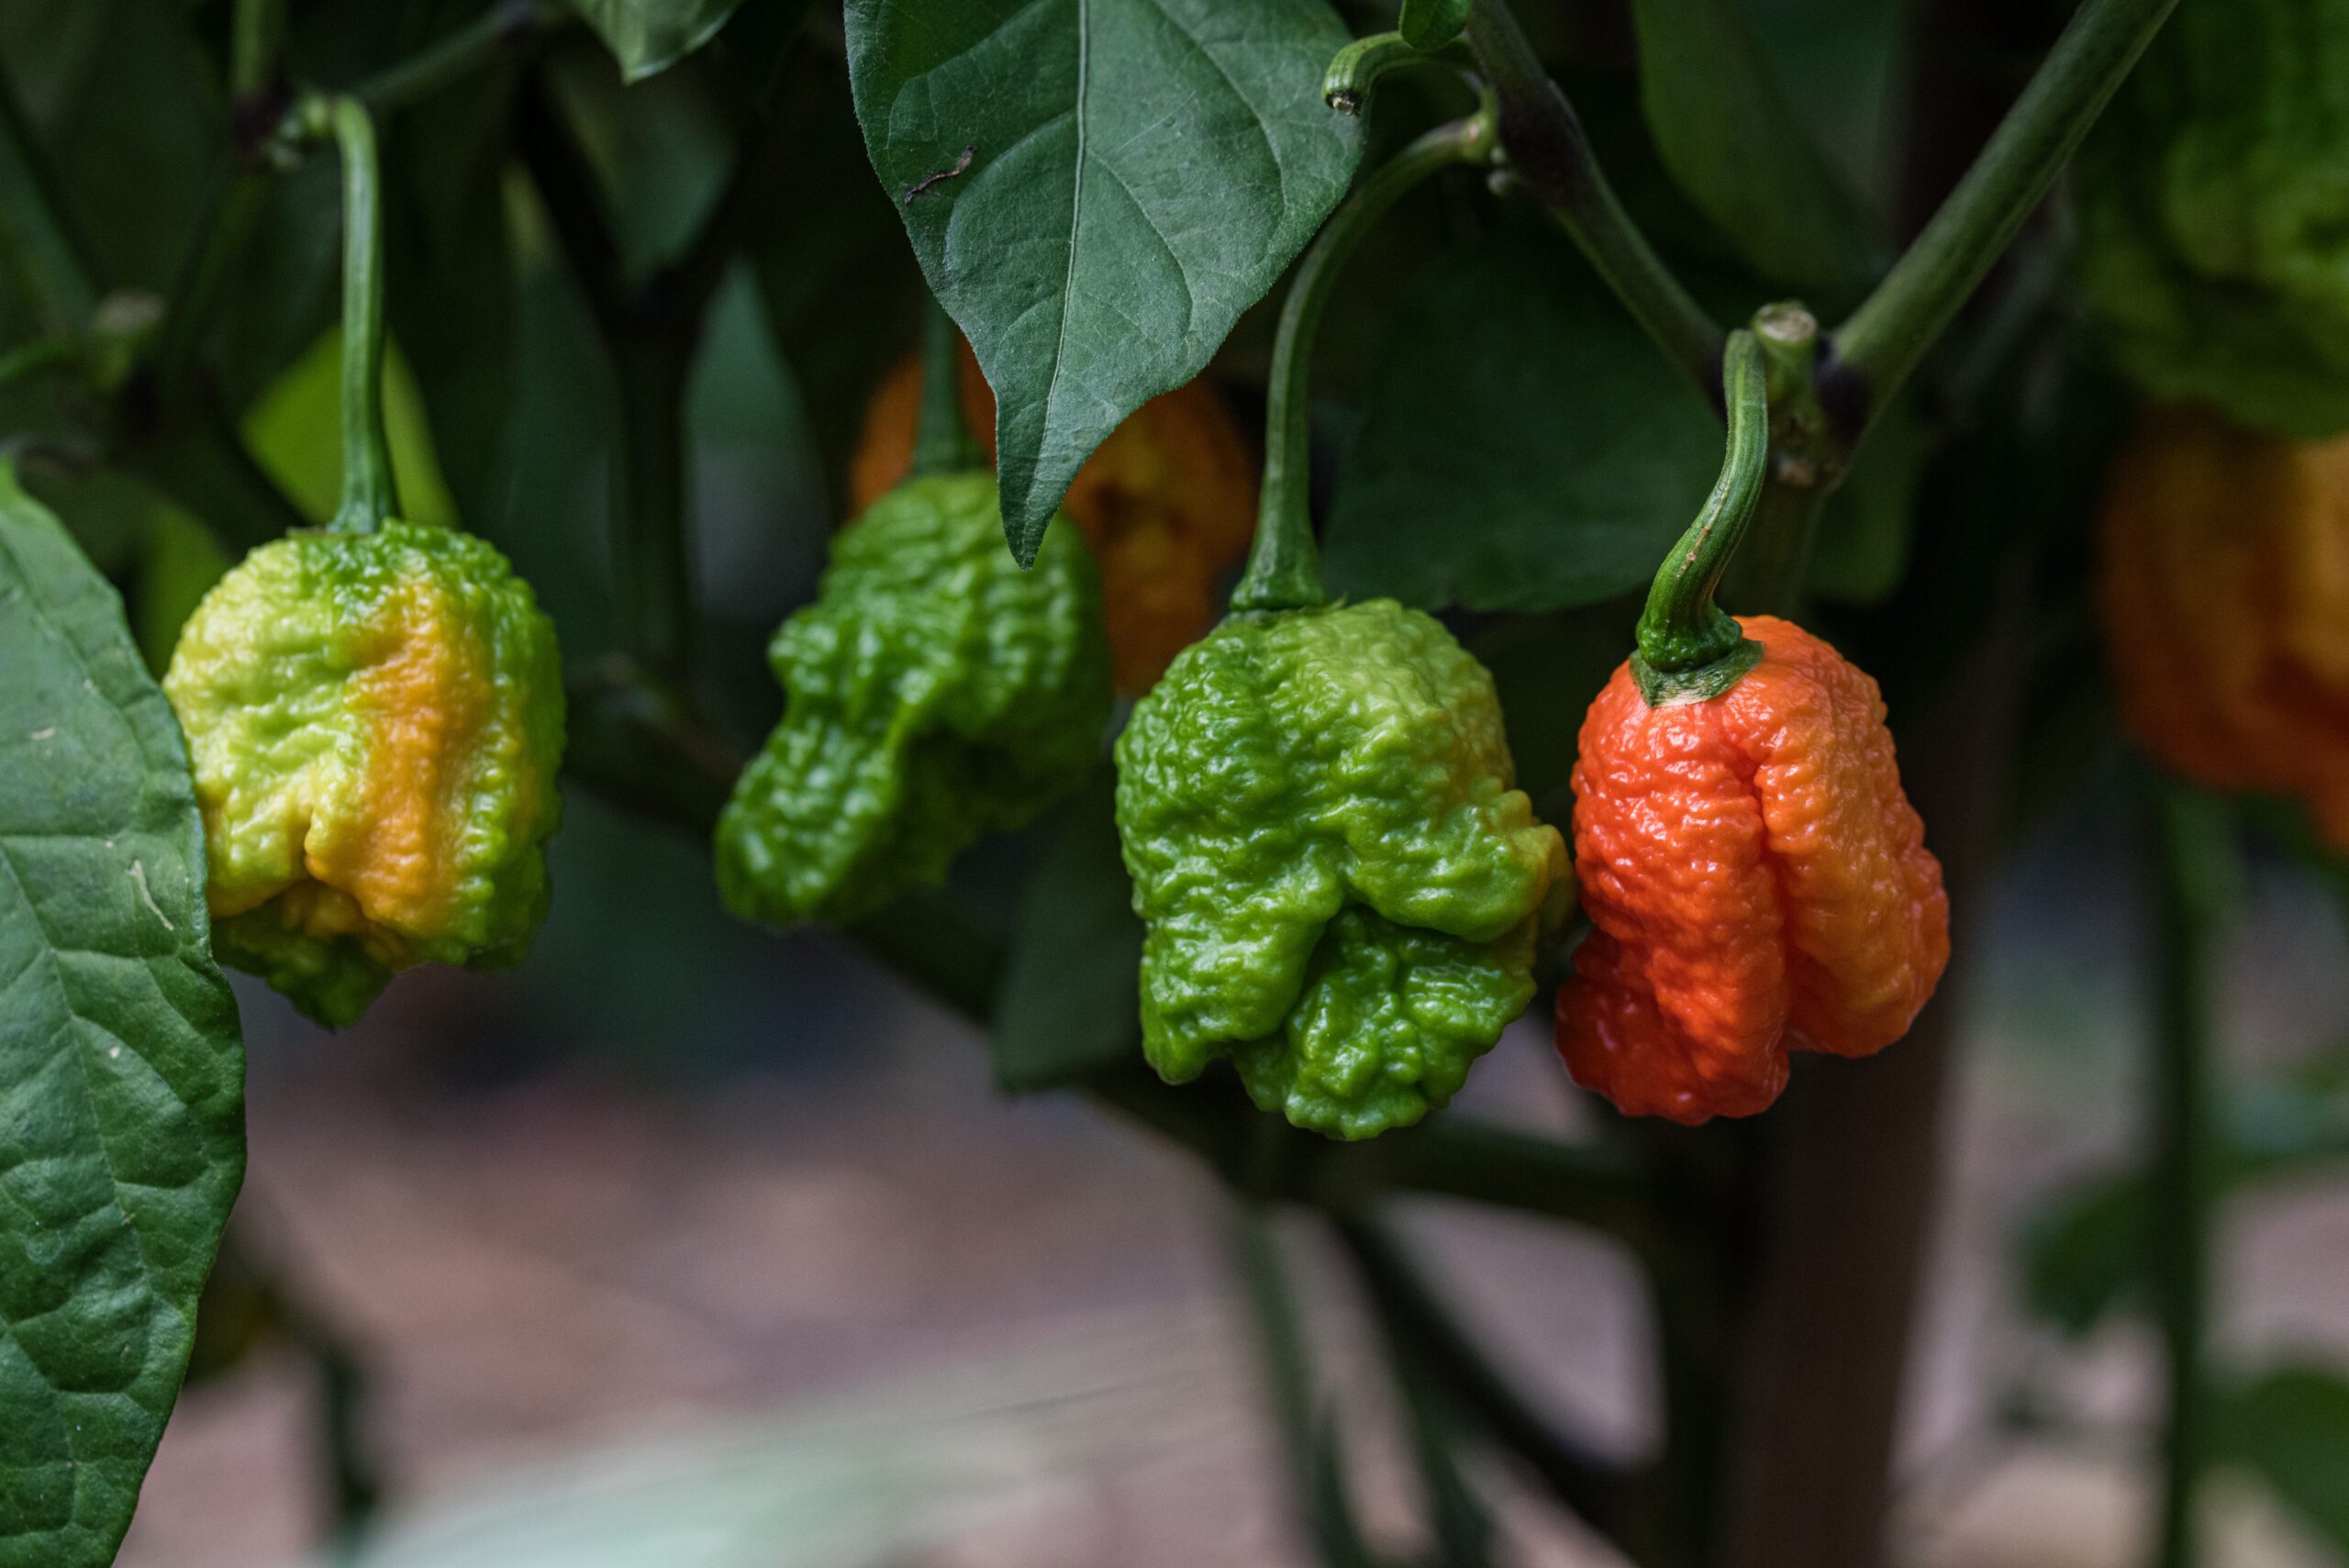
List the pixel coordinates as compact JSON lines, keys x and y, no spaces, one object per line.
{"x":934,"y":692}
{"x":1167,"y":503}
{"x":374,"y":720}
{"x":2225,"y":593}
{"x":2214,"y":213}
{"x":1342,"y":889}
{"x":1757,"y":880}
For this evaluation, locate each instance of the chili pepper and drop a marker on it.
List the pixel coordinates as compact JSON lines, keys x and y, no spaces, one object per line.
{"x":374,"y":721}
{"x":1341,"y":890}
{"x":1756,"y":878}
{"x":2225,"y":596}
{"x":373,"y":710}
{"x":1166,"y":503}
{"x":934,"y":692}
{"x":2213,"y":219}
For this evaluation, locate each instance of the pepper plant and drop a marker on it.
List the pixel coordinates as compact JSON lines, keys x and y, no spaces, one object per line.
{"x":1485,"y":725}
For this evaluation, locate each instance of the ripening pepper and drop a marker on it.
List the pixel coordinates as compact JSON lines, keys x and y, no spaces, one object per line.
{"x":1167,"y":503}
{"x":1342,"y":889}
{"x":2226,"y":595}
{"x":935,"y":691}
{"x":2213,"y":203}
{"x":374,"y":720}
{"x":1757,"y":880}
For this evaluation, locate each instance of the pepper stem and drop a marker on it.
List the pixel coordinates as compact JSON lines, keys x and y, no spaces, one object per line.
{"x":1285,"y":567}
{"x":369,"y":493}
{"x":942,"y":438}
{"x":1689,"y":648}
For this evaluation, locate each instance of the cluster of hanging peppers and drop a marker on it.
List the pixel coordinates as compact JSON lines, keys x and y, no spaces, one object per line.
{"x":1344,"y":892}
{"x":2213,"y":255}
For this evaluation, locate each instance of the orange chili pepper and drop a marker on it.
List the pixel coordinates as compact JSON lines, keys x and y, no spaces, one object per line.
{"x":2225,"y":593}
{"x":1758,"y":880}
{"x":1168,"y":503}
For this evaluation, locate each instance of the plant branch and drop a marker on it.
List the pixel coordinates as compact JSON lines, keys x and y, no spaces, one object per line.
{"x":2191,"y":858}
{"x":1316,"y":1473}
{"x":1589,"y":1484}
{"x":1893,"y":328}
{"x":1549,"y":150}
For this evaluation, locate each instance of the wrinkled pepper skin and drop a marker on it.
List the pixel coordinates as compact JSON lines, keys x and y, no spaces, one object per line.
{"x":935,"y":691}
{"x":375,"y":722}
{"x":2225,"y":597}
{"x":2213,"y":203}
{"x":1342,"y":892}
{"x":1168,"y":504}
{"x":1757,"y":880}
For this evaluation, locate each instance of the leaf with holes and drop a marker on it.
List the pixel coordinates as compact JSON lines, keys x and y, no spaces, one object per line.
{"x":1097,"y":189}
{"x":121,"y":1075}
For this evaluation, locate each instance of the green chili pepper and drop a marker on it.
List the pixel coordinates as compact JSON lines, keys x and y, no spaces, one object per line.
{"x":935,"y":691}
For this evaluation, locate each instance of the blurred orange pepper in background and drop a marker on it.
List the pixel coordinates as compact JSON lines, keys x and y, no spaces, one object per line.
{"x":1168,"y":504}
{"x":2225,"y":593}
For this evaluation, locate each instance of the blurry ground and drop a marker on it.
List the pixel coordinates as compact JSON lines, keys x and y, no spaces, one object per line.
{"x":643,"y":1237}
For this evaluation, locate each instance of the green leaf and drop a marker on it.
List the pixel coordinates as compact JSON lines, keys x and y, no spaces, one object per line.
{"x":2085,"y":1252}
{"x":1428,"y":24}
{"x":1731,"y":139}
{"x":1525,"y":448}
{"x":1862,"y":547}
{"x":1069,"y":1007}
{"x":121,"y":1075}
{"x":450,"y":282}
{"x":295,"y":431}
{"x":648,"y":35}
{"x":1139,"y":172}
{"x":836,"y":281}
{"x":2290,"y":1427}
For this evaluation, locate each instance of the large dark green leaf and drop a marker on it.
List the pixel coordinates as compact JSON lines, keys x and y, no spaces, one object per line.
{"x":1134,"y":173}
{"x":1733,"y":143}
{"x":1068,"y":1006}
{"x":647,"y":36}
{"x":2290,"y":1427}
{"x":121,"y":1076}
{"x":1525,"y":447}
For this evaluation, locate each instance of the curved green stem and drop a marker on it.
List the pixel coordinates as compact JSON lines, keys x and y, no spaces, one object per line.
{"x":1894,"y":326}
{"x":942,"y":439}
{"x":1549,"y":150}
{"x":1355,"y":72}
{"x":1285,"y":568}
{"x":1690,"y":649}
{"x":369,"y":494}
